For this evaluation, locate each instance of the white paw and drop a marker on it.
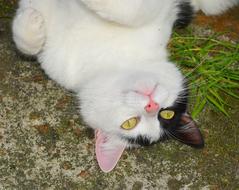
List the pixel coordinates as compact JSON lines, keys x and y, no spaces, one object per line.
{"x":29,"y":31}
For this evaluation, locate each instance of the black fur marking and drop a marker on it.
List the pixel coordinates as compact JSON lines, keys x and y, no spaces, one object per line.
{"x":187,"y":132}
{"x":185,"y":14}
{"x":179,"y":107}
{"x":139,"y":140}
{"x":182,"y":127}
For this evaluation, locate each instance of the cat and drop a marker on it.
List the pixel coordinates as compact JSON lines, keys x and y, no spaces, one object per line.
{"x":113,"y":55}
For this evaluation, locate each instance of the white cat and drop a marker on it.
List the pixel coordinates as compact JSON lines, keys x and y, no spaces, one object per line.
{"x":113,"y":54}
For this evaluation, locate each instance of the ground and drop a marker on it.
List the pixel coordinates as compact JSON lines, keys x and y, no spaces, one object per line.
{"x":45,"y":145}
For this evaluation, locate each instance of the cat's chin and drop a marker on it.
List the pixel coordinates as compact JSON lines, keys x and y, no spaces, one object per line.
{"x":139,"y":141}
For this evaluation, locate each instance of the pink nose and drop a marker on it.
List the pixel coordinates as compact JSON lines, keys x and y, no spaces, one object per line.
{"x":151,"y":106}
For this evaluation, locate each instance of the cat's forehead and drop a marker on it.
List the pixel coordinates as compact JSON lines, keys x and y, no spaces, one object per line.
{"x":180,"y":102}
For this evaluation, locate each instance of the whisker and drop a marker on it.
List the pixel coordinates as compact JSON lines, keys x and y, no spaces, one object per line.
{"x":173,"y":136}
{"x":186,"y":128}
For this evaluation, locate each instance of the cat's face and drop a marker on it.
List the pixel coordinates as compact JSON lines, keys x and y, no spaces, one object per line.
{"x":139,"y":108}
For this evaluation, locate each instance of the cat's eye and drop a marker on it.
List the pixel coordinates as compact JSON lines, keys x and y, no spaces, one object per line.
{"x":130,"y":123}
{"x":167,"y":114}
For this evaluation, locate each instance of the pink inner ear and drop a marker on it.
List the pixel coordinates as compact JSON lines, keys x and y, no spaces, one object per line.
{"x":106,"y":154}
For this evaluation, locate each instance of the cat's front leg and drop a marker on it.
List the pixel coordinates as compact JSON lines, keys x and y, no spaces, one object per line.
{"x":127,"y":12}
{"x":29,"y":31}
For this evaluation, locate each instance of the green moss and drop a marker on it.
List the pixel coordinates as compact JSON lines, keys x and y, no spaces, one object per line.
{"x":7,"y":8}
{"x":137,"y":185}
{"x":174,"y":184}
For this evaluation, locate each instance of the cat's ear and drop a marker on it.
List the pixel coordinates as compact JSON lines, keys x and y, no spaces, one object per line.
{"x":108,"y":152}
{"x":188,"y":133}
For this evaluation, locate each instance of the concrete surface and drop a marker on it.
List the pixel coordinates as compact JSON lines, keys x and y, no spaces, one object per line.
{"x":44,"y":144}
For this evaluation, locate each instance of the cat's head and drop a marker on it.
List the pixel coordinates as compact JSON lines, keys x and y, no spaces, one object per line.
{"x":138,"y":106}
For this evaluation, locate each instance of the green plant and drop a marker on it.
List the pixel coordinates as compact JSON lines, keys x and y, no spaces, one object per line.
{"x":211,"y":66}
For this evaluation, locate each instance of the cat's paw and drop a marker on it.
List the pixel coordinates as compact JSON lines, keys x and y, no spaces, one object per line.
{"x":29,"y":31}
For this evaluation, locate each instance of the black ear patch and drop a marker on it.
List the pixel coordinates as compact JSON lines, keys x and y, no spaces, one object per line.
{"x":185,"y":14}
{"x":187,"y":132}
{"x":182,"y":127}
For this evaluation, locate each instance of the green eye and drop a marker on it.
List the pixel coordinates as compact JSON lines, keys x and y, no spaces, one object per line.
{"x":130,"y":123}
{"x":167,"y":114}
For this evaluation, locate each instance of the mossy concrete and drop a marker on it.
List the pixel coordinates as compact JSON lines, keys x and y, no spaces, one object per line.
{"x":45,"y":145}
{"x":7,"y":8}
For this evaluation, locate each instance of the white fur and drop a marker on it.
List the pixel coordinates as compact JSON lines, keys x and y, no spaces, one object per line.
{"x":131,"y":13}
{"x":110,"y":52}
{"x":212,"y":7}
{"x":31,"y":24}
